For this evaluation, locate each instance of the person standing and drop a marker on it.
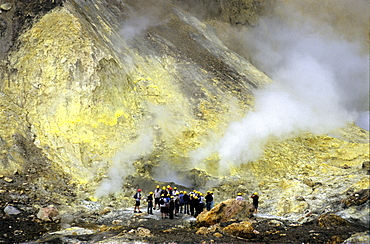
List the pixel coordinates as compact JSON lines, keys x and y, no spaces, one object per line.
{"x":181,"y":201}
{"x":157,"y":195}
{"x":186,"y":199}
{"x":164,"y":191}
{"x":177,"y":203}
{"x":171,"y":207}
{"x":255,"y":198}
{"x":192,"y":203}
{"x":175,"y":191}
{"x":198,"y":206}
{"x":137,"y":197}
{"x":149,"y":199}
{"x":162,"y":205}
{"x":209,"y":200}
{"x":239,"y":197}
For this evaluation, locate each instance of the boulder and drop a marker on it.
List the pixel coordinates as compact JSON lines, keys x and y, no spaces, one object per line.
{"x":331,"y":220}
{"x":357,"y":198}
{"x":48,"y":213}
{"x":225,"y":211}
{"x":243,"y":229}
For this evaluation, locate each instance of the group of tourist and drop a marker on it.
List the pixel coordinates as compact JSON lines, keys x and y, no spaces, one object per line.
{"x":170,"y":201}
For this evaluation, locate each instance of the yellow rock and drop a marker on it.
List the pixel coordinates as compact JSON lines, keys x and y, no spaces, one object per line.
{"x":243,"y":229}
{"x":225,"y":211}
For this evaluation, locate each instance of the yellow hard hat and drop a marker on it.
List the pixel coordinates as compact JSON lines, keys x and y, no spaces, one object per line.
{"x":157,"y":186}
{"x":162,"y":195}
{"x":200,"y":194}
{"x":168,"y":186}
{"x":185,"y":192}
{"x":195,"y":197}
{"x":164,"y":188}
{"x":255,"y":193}
{"x":239,"y":194}
{"x":177,"y":193}
{"x":151,"y":193}
{"x":181,"y":192}
{"x":175,"y":188}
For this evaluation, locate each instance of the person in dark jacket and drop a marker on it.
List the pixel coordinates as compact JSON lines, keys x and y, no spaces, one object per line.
{"x":198,"y":206}
{"x":209,"y":200}
{"x":192,"y":204}
{"x":149,"y":199}
{"x":186,"y":199}
{"x":171,"y":207}
{"x":255,"y":201}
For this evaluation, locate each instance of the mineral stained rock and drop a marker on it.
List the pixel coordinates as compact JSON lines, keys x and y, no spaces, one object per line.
{"x":331,"y":220}
{"x":225,"y":211}
{"x":243,"y":229}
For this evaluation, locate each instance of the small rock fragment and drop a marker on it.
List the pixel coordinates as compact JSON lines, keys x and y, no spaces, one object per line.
{"x":7,"y":179}
{"x":5,"y":6}
{"x":116,"y":222}
{"x":202,"y":231}
{"x":10,"y":210}
{"x":48,"y":213}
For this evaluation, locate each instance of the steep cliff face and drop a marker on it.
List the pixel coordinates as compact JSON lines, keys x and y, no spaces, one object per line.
{"x":117,"y":94}
{"x":87,"y":83}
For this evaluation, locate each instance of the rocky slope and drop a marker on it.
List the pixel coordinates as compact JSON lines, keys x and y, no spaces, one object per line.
{"x":99,"y":98}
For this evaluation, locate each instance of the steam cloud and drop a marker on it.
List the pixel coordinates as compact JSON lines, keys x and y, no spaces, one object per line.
{"x":122,"y":164}
{"x":321,"y":79}
{"x":142,"y":19}
{"x":164,"y":172}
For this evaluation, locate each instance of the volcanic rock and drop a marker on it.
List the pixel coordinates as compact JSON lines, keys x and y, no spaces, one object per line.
{"x":357,"y":198}
{"x":10,"y":210}
{"x":5,"y":6}
{"x":242,"y":229}
{"x":225,"y":211}
{"x":202,"y":231}
{"x":362,"y":237}
{"x":48,"y":213}
{"x":141,"y":232}
{"x":331,"y":220}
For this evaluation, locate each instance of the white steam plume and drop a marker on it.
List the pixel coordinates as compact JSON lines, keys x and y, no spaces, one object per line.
{"x":167,"y":173}
{"x":122,"y":163}
{"x":321,"y":82}
{"x":140,"y":20}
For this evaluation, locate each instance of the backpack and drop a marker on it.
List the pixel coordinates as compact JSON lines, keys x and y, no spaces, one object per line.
{"x":161,"y":201}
